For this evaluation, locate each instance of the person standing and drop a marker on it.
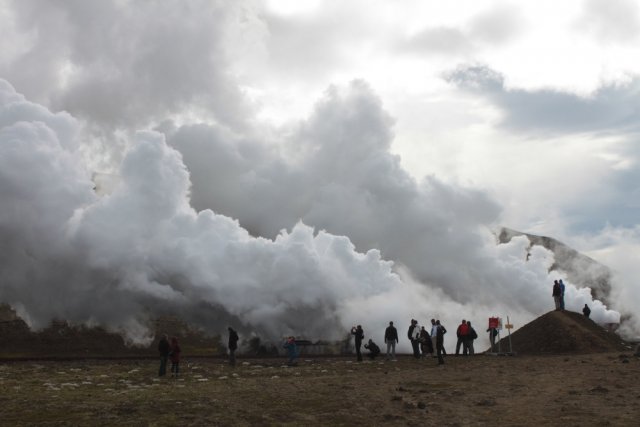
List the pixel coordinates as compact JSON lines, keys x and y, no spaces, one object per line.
{"x":425,"y":342}
{"x":561,"y":294}
{"x":461,"y":333}
{"x":586,"y":311}
{"x":493,"y":332}
{"x":434,"y":333}
{"x":440,"y":331}
{"x":358,"y":333}
{"x":473,"y":335}
{"x":444,"y":331}
{"x":292,"y":350}
{"x":163,"y":349}
{"x":233,"y":345}
{"x":414,"y":334}
{"x":556,"y":294}
{"x":391,"y":338}
{"x":174,"y":355}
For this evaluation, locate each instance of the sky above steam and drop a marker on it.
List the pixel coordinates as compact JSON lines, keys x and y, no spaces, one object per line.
{"x":407,"y":131}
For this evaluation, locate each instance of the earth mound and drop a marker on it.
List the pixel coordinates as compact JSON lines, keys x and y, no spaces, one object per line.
{"x":563,"y":332}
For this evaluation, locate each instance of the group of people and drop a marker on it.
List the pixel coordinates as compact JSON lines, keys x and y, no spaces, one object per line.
{"x":558,"y":297}
{"x":169,"y":350}
{"x":423,"y":342}
{"x":289,"y":344}
{"x":558,"y":294}
{"x":466,"y":336}
{"x":374,"y":350}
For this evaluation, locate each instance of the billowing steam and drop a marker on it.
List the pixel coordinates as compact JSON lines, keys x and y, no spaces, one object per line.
{"x":122,"y":257}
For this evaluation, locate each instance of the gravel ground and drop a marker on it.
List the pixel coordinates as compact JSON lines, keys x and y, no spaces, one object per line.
{"x":593,"y":389}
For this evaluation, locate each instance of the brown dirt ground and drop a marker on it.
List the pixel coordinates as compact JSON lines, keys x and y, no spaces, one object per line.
{"x":568,"y":371}
{"x":568,"y":390}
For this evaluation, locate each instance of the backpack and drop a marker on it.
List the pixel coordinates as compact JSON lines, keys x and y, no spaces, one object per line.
{"x":472,"y":333}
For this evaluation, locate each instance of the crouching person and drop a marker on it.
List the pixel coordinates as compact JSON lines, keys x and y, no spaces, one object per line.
{"x":373,"y":348}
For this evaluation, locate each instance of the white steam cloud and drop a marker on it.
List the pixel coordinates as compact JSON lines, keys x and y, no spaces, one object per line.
{"x":141,"y":250}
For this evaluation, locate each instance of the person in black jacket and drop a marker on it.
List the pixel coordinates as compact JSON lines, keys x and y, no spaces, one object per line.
{"x":414,"y":336}
{"x":444,"y":331}
{"x":440,"y":331}
{"x":493,"y":332}
{"x":391,"y":338}
{"x":555,"y":293}
{"x":233,"y":345}
{"x":586,"y":311}
{"x":163,"y":349}
{"x":359,"y":336}
{"x":373,"y":348}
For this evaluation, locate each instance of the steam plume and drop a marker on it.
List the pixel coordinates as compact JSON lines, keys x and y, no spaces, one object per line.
{"x":141,"y":250}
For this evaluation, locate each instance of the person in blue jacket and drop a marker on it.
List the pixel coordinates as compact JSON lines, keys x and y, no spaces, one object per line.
{"x":292,"y":350}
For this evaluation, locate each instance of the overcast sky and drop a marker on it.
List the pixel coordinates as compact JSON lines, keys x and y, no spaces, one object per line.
{"x":383,"y":121}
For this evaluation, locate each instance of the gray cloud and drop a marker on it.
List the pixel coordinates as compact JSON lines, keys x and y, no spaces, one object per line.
{"x":610,"y":108}
{"x":489,"y":28}
{"x":300,"y":46}
{"x":610,"y":111}
{"x":498,"y":25}
{"x":617,"y":22}
{"x":618,"y":205}
{"x":118,"y":64}
{"x":441,"y":40}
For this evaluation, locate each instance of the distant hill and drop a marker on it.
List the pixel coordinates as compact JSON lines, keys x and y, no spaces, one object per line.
{"x":62,"y":340}
{"x":563,"y":332}
{"x":580,"y":269}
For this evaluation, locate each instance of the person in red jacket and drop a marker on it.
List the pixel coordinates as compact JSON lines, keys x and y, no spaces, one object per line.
{"x":174,"y":355}
{"x":463,"y":335}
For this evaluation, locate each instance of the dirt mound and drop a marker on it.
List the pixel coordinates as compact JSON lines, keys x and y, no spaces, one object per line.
{"x":564,"y":332}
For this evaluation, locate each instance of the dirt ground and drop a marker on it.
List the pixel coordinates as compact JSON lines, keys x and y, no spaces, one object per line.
{"x":573,"y":390}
